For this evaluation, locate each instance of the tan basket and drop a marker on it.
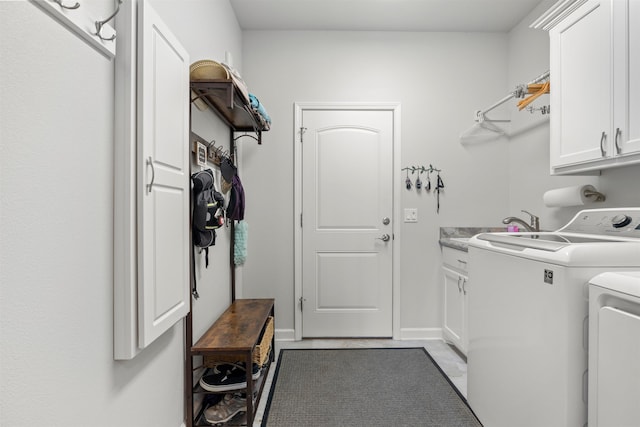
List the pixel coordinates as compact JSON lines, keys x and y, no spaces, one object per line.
{"x":260,"y":354}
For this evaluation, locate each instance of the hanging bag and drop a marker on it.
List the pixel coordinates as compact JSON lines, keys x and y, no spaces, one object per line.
{"x":208,"y":213}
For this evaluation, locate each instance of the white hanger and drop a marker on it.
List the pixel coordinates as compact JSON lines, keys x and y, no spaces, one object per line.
{"x":483,"y":130}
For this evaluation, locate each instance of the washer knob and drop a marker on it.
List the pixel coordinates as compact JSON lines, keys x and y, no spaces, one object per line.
{"x":620,"y":221}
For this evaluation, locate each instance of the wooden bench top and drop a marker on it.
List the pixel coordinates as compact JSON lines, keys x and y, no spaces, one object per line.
{"x":237,"y":329}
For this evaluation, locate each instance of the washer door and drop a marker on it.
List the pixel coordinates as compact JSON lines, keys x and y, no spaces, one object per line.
{"x":618,"y":372}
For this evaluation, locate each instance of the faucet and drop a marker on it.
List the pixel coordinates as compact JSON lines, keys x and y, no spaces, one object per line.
{"x":535,"y":222}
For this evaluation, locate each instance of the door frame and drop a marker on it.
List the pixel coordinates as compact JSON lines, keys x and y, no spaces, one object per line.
{"x":299,"y":108}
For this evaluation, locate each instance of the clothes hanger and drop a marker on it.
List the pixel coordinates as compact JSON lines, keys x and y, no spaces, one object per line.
{"x":483,"y":130}
{"x":545,"y":88}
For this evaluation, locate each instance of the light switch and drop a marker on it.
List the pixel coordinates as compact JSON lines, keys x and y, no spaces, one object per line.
{"x":411,"y":215}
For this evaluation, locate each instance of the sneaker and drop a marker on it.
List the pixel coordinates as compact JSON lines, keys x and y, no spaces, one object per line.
{"x":227,"y":408}
{"x":255,"y":369}
{"x":227,"y":377}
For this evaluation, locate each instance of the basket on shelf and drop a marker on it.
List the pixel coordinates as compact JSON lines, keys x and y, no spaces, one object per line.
{"x":260,"y":353}
{"x":207,"y":69}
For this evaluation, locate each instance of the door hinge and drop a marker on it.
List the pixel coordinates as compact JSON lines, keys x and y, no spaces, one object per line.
{"x":301,"y":299}
{"x":300,"y":219}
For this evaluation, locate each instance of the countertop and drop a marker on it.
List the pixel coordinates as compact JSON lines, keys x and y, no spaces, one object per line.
{"x":457,"y":237}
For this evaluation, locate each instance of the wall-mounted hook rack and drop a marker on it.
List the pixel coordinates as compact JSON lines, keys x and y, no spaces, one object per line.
{"x":78,"y":20}
{"x":427,"y":186}
{"x":215,"y":154}
{"x":422,"y":169}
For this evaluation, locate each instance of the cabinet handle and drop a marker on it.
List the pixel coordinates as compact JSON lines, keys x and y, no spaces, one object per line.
{"x":617,"y":140}
{"x":461,"y":261}
{"x":603,"y":138}
{"x":153,"y":174}
{"x":459,"y":289}
{"x":464,"y":283}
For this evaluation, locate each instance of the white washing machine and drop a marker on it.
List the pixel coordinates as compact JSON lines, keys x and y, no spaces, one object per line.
{"x":528,"y":309}
{"x":614,"y":350}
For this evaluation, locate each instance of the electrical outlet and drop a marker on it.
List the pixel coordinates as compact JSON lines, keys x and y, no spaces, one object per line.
{"x":411,"y":215}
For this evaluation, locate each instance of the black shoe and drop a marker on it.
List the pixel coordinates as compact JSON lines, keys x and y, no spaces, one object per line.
{"x":227,"y":377}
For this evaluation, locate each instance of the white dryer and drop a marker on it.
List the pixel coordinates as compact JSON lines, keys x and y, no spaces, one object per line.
{"x":527,"y":312}
{"x":614,"y":350}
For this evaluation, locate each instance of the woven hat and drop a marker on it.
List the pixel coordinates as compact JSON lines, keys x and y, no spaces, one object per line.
{"x":226,"y":186}
{"x":207,"y":69}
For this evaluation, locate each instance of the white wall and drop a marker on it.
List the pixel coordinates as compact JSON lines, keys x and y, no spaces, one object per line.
{"x":440,"y":79}
{"x":56,"y":229}
{"x":529,"y":174}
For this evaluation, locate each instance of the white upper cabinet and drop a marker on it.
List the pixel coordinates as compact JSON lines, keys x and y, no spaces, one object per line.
{"x":595,"y":86}
{"x":580,"y":95}
{"x":626,"y":76}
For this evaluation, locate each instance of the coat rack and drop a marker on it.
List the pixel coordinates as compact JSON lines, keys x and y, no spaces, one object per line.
{"x":77,"y":17}
{"x":211,"y":152}
{"x":419,"y":185}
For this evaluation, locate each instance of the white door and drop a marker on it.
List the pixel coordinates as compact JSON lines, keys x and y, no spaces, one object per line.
{"x":347,"y":223}
{"x":163,"y":177}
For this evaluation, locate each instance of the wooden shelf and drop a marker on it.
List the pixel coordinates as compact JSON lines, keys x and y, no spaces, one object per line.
{"x":225,"y":99}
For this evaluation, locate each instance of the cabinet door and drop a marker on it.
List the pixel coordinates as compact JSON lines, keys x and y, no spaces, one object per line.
{"x":626,"y":79}
{"x":163,"y":177}
{"x":580,"y":66}
{"x":454,"y":327}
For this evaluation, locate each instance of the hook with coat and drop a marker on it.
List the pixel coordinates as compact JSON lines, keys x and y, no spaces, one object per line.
{"x":439,"y":186}
{"x":420,"y":170}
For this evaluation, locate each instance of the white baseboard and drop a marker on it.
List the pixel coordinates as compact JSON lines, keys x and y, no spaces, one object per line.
{"x":407,"y":334}
{"x":285,"y":335}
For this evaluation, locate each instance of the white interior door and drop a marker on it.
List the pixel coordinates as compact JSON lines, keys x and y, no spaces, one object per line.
{"x":347,"y":223}
{"x":163,"y":177}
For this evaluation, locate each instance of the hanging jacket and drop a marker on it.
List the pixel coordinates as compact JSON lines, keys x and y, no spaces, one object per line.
{"x":235,"y":208}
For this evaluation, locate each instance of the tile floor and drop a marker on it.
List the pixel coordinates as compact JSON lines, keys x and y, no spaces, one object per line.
{"x":449,"y":361}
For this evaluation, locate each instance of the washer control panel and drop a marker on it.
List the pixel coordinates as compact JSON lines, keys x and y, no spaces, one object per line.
{"x":622,"y":222}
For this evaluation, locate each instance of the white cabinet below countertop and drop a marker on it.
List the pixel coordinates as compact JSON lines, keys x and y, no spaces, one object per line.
{"x":455,"y":285}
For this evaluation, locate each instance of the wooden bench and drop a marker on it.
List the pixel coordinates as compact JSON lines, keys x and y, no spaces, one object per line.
{"x":236,"y":336}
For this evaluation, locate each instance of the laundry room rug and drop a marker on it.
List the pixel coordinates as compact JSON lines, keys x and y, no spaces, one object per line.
{"x":363,"y":387}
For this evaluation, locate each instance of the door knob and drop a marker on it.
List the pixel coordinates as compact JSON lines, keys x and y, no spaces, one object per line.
{"x":384,"y":238}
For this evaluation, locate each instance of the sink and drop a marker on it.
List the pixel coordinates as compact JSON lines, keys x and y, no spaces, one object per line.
{"x":460,"y":239}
